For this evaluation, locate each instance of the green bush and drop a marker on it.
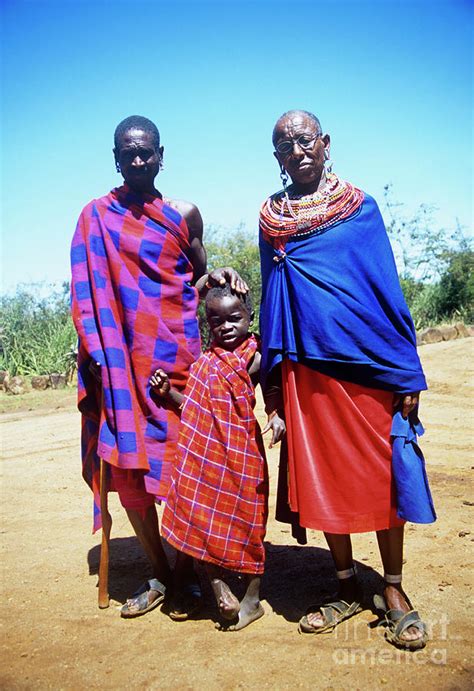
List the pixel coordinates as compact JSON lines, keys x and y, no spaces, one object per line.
{"x":456,"y":287}
{"x":435,"y":264}
{"x":36,"y":333}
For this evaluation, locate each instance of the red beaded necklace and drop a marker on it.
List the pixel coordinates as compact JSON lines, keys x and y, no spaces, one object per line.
{"x":282,"y":217}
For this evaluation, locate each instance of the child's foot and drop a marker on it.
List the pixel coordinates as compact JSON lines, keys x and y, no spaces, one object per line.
{"x":227,"y":603}
{"x":249,"y":612}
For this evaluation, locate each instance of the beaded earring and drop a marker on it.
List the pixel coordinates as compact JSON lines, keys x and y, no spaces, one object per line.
{"x":161,"y":164}
{"x":327,"y":162}
{"x":284,"y":177}
{"x":117,"y":167}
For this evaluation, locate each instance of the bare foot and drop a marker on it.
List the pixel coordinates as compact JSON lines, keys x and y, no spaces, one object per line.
{"x":248,"y":613}
{"x":227,"y":603}
{"x":396,"y":599}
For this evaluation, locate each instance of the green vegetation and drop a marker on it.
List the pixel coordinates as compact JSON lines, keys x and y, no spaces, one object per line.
{"x":435,"y":265}
{"x":36,"y":333}
{"x":436,"y":271}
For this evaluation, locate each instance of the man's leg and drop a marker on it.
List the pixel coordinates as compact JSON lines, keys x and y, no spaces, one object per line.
{"x":145,"y":525}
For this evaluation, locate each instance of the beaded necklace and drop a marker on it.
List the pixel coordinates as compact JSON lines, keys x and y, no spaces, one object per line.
{"x":282,"y":217}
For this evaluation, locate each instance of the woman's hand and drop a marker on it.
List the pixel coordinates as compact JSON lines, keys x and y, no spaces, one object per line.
{"x":406,"y":402}
{"x":278,"y":427}
{"x":229,"y":275}
{"x":160,"y":383}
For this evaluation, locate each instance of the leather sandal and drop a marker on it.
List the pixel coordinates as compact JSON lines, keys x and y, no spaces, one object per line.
{"x":333,"y":613}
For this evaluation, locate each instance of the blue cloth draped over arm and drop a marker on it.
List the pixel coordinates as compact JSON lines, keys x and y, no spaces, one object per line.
{"x":414,"y":501}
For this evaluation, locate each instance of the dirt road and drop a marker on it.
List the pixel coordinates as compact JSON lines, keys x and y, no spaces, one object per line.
{"x":55,"y":637}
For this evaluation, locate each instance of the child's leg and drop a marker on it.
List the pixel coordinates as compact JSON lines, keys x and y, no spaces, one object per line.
{"x":227,"y":603}
{"x":250,"y":608}
{"x":187,"y":597}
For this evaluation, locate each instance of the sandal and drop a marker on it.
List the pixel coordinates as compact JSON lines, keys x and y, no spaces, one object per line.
{"x":333,"y":612}
{"x":186,"y":603}
{"x":139,"y":600}
{"x":397,"y":622}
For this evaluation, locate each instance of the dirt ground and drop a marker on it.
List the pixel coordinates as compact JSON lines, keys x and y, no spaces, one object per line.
{"x":55,"y":637}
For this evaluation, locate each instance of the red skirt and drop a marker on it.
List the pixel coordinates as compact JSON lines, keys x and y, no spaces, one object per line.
{"x":339,"y":453}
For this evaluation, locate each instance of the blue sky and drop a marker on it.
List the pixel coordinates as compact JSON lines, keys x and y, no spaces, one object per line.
{"x":390,"y":81}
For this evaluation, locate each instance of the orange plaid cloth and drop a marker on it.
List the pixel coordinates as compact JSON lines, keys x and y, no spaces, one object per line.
{"x":216,"y":509}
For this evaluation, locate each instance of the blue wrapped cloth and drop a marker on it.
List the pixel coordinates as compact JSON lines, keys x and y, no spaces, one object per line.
{"x":414,"y":501}
{"x":333,"y":302}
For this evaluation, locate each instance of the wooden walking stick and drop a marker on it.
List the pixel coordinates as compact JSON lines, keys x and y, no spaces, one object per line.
{"x":106,"y":528}
{"x":104,"y":547}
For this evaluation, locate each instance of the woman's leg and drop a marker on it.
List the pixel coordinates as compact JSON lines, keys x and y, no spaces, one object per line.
{"x":391,"y":551}
{"x":341,"y":551}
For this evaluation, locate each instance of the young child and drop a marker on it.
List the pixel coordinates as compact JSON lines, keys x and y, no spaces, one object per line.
{"x":216,"y":509}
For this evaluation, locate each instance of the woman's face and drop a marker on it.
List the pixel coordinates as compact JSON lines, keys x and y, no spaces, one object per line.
{"x":139,"y":159}
{"x":304,"y":160}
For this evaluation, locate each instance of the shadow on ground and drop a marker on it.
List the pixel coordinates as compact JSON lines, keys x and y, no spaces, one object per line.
{"x":296,"y":577}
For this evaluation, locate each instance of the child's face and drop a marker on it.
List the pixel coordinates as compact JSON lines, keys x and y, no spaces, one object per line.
{"x":228,"y":321}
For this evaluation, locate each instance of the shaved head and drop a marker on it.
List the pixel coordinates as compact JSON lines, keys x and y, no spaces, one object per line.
{"x":290,"y":114}
{"x":136,"y":122}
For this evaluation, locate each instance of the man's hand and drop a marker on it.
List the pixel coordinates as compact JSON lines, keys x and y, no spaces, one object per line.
{"x":94,"y":369}
{"x":227,"y":274}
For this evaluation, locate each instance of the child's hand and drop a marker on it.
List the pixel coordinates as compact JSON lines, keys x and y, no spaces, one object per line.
{"x":160,"y":383}
{"x":278,"y":427}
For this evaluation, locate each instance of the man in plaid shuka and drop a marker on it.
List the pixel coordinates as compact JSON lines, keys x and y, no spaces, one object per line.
{"x":137,"y":265}
{"x":216,"y":509}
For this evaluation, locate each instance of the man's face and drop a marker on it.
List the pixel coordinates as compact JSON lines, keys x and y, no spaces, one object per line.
{"x":228,"y":321}
{"x":139,"y":159}
{"x":300,"y":148}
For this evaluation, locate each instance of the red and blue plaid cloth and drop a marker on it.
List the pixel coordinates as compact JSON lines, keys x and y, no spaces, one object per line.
{"x":134,"y":308}
{"x":216,"y":509}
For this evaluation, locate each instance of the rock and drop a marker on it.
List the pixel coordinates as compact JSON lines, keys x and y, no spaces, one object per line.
{"x":58,"y":381}
{"x":449,"y":333}
{"x":463,"y":533}
{"x":430,"y":335}
{"x":463,"y":330}
{"x":14,"y":385}
{"x":41,"y":382}
{"x":3,"y":376}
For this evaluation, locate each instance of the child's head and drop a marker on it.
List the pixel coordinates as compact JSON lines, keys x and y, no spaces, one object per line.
{"x":229,"y":316}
